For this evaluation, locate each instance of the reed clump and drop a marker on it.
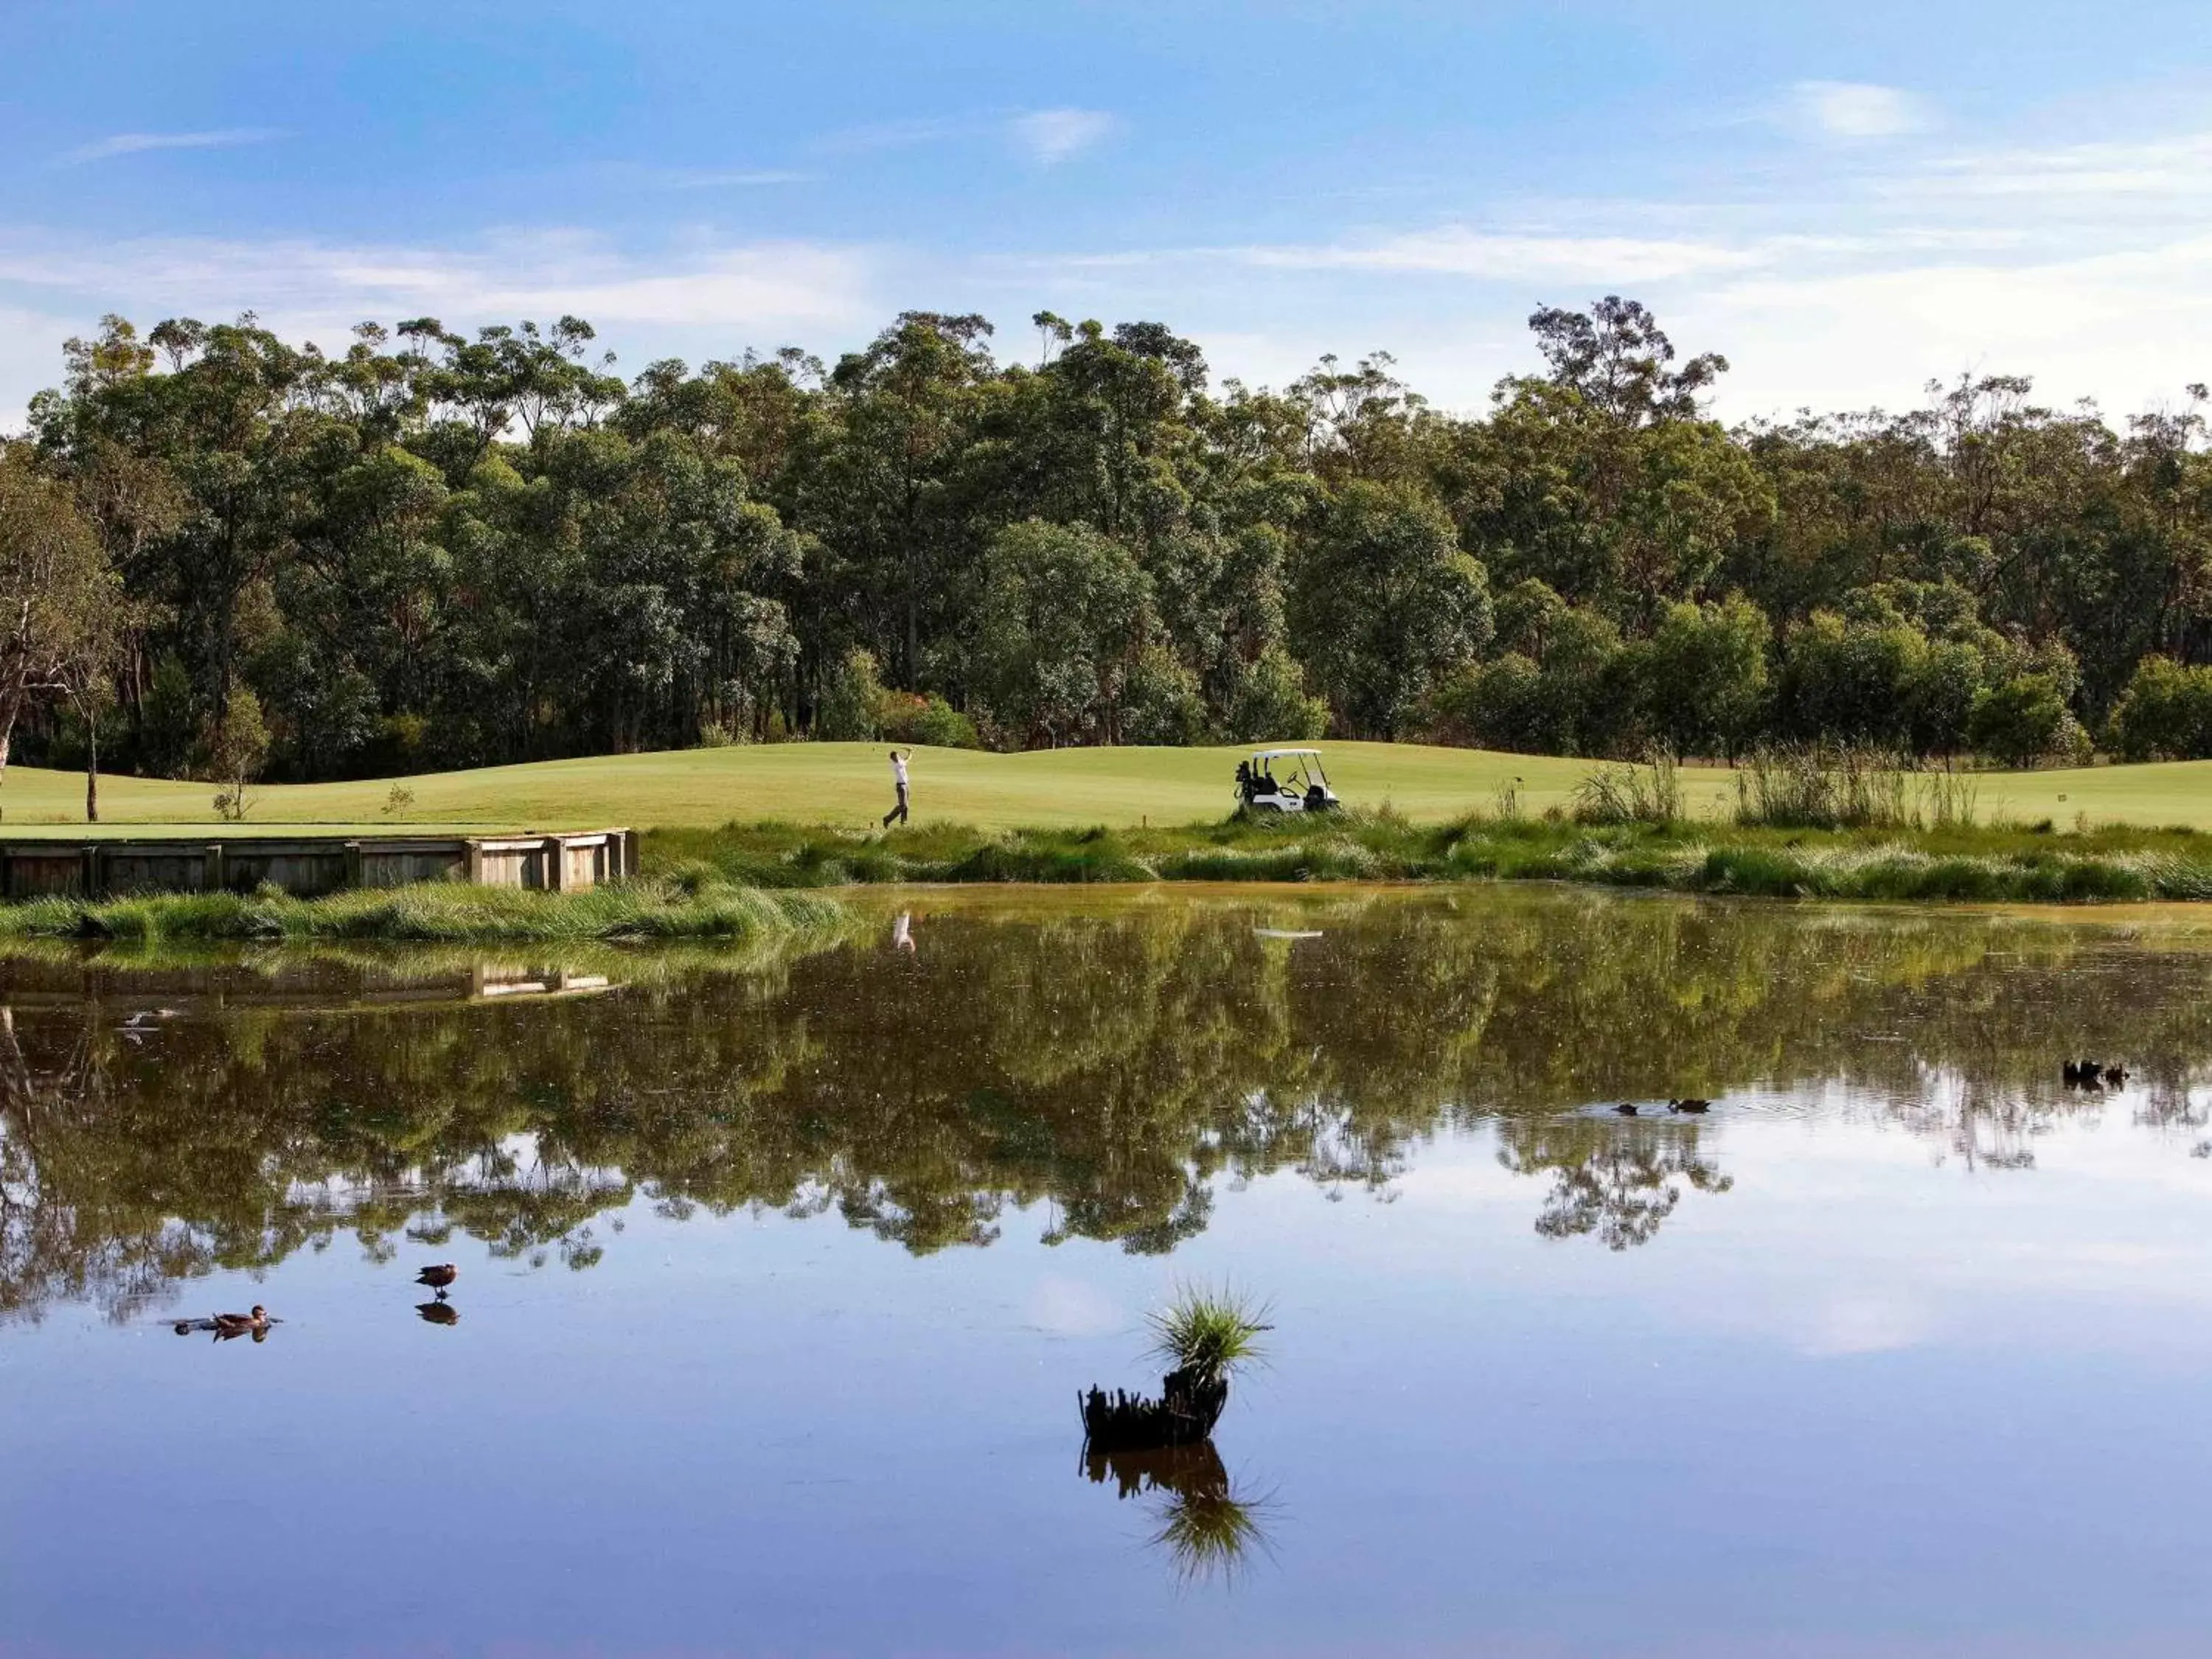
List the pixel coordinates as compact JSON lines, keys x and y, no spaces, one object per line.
{"x":1924,"y":843}
{"x":1630,"y":794}
{"x":1848,"y":787}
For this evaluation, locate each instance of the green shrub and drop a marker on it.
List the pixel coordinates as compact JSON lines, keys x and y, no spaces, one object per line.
{"x":1160,"y":701}
{"x":902,"y":717}
{"x":850,"y":709}
{"x":1271,"y":704}
{"x":2025,"y":720}
{"x":2164,"y":713}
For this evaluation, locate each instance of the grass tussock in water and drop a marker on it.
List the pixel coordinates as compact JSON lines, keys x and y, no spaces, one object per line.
{"x":1214,"y":1332}
{"x":702,"y":907}
{"x":1935,"y":856}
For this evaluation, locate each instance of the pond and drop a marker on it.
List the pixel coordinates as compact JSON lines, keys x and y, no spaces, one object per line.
{"x":780,"y":1271}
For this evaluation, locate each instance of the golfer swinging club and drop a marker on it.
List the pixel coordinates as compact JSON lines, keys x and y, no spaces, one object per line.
{"x":898,"y":778}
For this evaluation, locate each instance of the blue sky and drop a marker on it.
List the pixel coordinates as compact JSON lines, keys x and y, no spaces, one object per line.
{"x":1847,"y":201}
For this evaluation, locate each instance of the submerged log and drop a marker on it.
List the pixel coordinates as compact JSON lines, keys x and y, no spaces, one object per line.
{"x":1188,"y":1406}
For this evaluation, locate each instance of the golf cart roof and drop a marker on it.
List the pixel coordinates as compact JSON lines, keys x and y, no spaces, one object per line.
{"x":1271,"y":754}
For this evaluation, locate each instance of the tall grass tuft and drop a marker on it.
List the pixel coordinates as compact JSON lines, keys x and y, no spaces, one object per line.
{"x":1848,"y":787}
{"x":1650,"y":794}
{"x":1951,"y":799}
{"x":1211,"y":1333}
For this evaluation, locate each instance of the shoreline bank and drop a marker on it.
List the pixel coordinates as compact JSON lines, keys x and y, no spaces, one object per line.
{"x":1975,"y":865}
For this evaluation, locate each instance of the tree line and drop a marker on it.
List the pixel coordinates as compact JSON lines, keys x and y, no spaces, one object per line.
{"x":222,"y":553}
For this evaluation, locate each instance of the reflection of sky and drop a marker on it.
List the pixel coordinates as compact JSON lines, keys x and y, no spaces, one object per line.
{"x":1871,"y":1400}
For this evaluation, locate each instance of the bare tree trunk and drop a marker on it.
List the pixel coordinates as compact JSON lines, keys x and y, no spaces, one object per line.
{"x":92,"y":772}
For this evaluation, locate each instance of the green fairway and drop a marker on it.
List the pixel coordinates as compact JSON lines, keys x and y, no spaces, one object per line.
{"x":849,"y":785}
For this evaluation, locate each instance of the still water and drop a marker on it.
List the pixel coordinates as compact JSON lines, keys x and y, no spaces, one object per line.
{"x":780,"y":1270}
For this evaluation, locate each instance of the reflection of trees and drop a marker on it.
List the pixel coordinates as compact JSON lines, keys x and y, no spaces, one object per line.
{"x":1617,"y":1179}
{"x":1111,"y":1069}
{"x":64,"y":1233}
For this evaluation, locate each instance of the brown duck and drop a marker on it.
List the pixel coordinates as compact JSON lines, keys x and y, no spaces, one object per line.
{"x":226,"y":1326}
{"x":438,"y":1276}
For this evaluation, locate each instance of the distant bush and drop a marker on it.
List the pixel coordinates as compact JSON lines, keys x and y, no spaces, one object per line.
{"x":850,"y":709}
{"x":1271,"y":704}
{"x":902,"y":717}
{"x":2166,"y":714}
{"x":2025,"y":720}
{"x":1160,"y":701}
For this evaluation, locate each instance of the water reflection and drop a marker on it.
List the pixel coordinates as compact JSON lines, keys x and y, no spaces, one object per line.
{"x":1616,"y":1181}
{"x":1209,"y":1526}
{"x":1111,"y":1070}
{"x":229,"y":1327}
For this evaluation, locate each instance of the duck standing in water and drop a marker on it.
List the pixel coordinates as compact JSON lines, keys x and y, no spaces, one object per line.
{"x":438,"y":1277}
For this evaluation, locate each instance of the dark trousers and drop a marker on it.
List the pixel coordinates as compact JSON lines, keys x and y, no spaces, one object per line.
{"x":898,"y":811}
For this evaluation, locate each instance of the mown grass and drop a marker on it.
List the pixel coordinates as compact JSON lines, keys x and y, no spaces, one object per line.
{"x":848,"y":785}
{"x":1996,"y":863}
{"x":439,"y":913}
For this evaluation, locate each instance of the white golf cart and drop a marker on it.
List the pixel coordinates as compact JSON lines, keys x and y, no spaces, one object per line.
{"x":1285,"y":781}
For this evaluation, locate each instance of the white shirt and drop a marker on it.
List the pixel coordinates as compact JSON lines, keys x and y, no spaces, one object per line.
{"x":898,"y":769}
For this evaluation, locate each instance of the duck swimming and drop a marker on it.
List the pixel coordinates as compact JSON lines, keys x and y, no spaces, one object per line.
{"x":255,"y":1324}
{"x":1690,"y":1106}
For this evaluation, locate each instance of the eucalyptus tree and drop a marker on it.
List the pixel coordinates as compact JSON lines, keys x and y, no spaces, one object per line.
{"x":876,"y":480}
{"x":1383,"y":604}
{"x":59,"y":596}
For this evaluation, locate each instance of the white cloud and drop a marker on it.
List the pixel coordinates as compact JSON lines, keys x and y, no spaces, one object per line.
{"x":763,"y":283}
{"x":1856,"y":109}
{"x":1860,"y":1322}
{"x":1068,"y":1307}
{"x":886,"y":135}
{"x":714,"y":178}
{"x":703,"y":299}
{"x":2179,"y":168}
{"x":1905,"y":266}
{"x":1460,"y":250}
{"x":131,"y":143}
{"x":1050,"y":137}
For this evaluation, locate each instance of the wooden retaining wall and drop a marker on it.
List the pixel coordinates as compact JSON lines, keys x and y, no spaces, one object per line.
{"x":305,"y":866}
